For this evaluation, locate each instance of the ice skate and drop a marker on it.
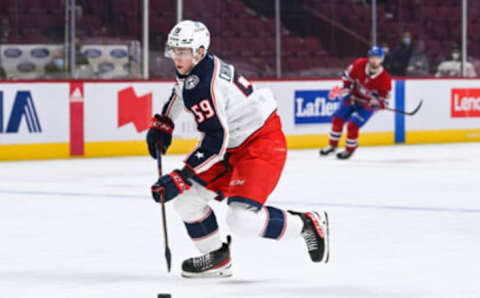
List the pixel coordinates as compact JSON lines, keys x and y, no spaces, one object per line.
{"x":213,"y":264}
{"x":327,"y":150}
{"x":315,"y":234}
{"x":344,"y":154}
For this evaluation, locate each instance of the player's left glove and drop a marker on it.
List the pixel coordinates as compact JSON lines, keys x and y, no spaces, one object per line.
{"x":171,"y":185}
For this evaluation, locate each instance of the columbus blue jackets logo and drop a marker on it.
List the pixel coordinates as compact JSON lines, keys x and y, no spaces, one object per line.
{"x":191,"y":82}
{"x":23,"y":108}
{"x":315,"y":106}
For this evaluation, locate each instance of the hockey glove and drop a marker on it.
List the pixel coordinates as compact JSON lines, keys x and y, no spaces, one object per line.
{"x":375,"y":103}
{"x":171,"y":185}
{"x":159,"y":134}
{"x":346,"y":94}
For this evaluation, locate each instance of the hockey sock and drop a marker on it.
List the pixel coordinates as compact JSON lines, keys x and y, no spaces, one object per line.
{"x":268,"y":222}
{"x":352,"y":136}
{"x":280,"y":224}
{"x":204,"y":232}
{"x":336,"y":132}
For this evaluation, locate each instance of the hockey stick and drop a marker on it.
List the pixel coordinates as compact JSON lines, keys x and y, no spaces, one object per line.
{"x":405,"y":112}
{"x":396,"y":110}
{"x":168,"y":255}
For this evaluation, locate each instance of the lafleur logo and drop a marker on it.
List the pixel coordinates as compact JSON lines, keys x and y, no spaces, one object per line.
{"x":23,"y":107}
{"x":314,"y":106}
{"x":465,"y":103}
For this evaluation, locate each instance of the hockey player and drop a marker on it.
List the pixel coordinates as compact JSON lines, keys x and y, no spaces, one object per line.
{"x":239,"y":158}
{"x":366,"y":88}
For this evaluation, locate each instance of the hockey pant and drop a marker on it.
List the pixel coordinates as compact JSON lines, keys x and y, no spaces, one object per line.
{"x":245,"y":179}
{"x":355,"y":116}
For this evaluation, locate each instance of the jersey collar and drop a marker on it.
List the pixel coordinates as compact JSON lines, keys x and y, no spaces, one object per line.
{"x":375,"y":75}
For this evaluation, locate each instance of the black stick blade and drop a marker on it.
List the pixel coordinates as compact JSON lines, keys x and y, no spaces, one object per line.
{"x":168,"y":257}
{"x":417,"y":108}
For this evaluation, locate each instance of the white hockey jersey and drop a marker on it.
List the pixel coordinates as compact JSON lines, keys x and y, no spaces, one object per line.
{"x":227,"y":109}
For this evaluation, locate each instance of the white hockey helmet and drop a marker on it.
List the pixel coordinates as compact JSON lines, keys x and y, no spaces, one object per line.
{"x":187,"y":34}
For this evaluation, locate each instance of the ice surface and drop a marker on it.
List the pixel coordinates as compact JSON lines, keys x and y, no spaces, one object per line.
{"x":405,"y":222}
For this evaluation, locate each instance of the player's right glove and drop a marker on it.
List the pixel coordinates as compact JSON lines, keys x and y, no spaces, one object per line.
{"x":375,"y":103}
{"x":159,"y":134}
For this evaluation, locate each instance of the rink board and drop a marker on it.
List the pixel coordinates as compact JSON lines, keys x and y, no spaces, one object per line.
{"x":41,"y":120}
{"x":450,"y":111}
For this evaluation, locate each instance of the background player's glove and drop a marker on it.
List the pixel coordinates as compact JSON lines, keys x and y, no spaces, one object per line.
{"x":346,"y":94}
{"x":375,"y":103}
{"x":171,"y":185}
{"x":159,"y":134}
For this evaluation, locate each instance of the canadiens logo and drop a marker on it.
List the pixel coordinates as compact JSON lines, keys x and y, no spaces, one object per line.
{"x":191,"y":82}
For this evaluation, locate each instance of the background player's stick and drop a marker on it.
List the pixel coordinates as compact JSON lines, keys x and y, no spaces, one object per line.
{"x":168,"y":255}
{"x":405,"y":112}
{"x":395,"y":110}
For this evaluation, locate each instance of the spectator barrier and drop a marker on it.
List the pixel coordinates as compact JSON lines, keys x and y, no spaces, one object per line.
{"x":62,"y":119}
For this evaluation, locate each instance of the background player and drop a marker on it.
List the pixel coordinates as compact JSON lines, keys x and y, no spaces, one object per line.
{"x":240,"y":157}
{"x":366,"y":88}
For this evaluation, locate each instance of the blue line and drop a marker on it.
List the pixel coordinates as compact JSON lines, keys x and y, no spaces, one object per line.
{"x":319,"y":204}
{"x":399,"y":118}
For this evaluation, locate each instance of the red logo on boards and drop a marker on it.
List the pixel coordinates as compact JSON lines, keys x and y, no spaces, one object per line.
{"x":334,"y":93}
{"x":465,"y":103}
{"x":134,"y":109}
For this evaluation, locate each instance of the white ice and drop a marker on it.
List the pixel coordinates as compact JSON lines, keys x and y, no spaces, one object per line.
{"x":405,"y":222}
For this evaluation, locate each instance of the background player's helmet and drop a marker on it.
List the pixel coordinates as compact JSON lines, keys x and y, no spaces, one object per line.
{"x":188,"y":34}
{"x":376,"y":51}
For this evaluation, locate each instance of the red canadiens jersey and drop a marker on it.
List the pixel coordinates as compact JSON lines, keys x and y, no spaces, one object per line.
{"x":365,"y":86}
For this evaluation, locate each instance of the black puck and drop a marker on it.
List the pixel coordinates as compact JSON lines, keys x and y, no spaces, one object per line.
{"x":164,"y":295}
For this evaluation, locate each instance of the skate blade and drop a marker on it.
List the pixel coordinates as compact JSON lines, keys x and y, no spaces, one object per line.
{"x":326,"y":254}
{"x":323,"y":154}
{"x":327,"y":239}
{"x":216,"y":273}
